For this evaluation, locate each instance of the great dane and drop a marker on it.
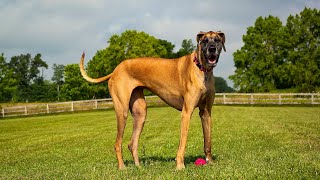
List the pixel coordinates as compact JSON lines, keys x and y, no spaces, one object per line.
{"x":183,"y":83}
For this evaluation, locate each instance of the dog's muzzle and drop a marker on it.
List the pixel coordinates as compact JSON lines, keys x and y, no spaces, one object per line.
{"x":211,"y":50}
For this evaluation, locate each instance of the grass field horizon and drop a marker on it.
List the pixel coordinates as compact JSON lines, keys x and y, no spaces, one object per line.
{"x":248,"y":142}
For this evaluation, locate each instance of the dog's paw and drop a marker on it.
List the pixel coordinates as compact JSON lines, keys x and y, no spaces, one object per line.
{"x":180,"y":167}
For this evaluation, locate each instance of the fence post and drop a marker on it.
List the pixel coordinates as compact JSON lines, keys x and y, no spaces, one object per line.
{"x":2,"y":111}
{"x":224,"y":98}
{"x":251,"y":99}
{"x":279,"y":99}
{"x":25,"y":110}
{"x":96,"y":104}
{"x":312,"y":98}
{"x":48,"y":111}
{"x":72,"y":106}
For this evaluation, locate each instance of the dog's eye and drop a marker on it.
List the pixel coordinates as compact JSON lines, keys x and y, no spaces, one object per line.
{"x":206,"y":40}
{"x":216,"y":39}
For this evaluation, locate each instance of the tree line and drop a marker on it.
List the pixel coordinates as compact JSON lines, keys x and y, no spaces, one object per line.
{"x":21,"y":78}
{"x":274,"y":57}
{"x":280,"y":57}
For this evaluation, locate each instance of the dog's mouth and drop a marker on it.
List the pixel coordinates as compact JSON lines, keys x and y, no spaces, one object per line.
{"x":212,"y":55}
{"x":212,"y":60}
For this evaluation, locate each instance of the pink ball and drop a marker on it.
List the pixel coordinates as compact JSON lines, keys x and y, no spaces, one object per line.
{"x":200,"y":162}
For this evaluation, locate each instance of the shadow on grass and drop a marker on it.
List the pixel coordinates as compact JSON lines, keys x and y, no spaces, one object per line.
{"x":155,"y":159}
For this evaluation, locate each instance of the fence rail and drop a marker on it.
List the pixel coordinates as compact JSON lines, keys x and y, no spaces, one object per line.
{"x":221,"y":98}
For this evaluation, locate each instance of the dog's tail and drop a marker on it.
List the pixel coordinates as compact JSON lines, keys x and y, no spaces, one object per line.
{"x":89,"y":79}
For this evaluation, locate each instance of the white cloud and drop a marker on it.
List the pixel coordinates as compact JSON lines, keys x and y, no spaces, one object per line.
{"x":60,"y":30}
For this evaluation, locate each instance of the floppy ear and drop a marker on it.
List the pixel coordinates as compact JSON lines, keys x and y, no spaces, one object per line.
{"x":199,"y":35}
{"x":223,"y":37}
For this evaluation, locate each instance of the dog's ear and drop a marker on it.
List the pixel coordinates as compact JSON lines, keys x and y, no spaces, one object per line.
{"x":199,"y":35}
{"x":223,"y":37}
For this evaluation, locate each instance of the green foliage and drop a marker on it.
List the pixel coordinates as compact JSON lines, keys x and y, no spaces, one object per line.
{"x":169,"y":48}
{"x":58,"y":73}
{"x":21,"y":80}
{"x":43,"y":91}
{"x":221,"y":86}
{"x":303,"y":49}
{"x":7,"y":82}
{"x":187,"y":47}
{"x":130,"y":44}
{"x":57,"y":78}
{"x":75,"y":87}
{"x":257,"y":60}
{"x":25,"y":70}
{"x":248,"y":143}
{"x":280,"y":57}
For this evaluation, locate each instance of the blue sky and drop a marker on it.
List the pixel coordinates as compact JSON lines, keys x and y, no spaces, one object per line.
{"x":61,"y":29}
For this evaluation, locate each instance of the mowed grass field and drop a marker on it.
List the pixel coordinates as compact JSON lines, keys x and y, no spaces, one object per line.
{"x":248,"y":143}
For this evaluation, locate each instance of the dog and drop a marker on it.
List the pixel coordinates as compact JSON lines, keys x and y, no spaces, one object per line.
{"x":184,"y":83}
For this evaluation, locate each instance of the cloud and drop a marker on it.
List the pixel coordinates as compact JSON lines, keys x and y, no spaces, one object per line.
{"x":60,"y":30}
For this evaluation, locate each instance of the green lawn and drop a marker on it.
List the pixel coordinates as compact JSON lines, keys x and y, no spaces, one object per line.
{"x":248,"y":143}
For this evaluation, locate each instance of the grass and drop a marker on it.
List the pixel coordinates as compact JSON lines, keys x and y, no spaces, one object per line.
{"x":248,"y":143}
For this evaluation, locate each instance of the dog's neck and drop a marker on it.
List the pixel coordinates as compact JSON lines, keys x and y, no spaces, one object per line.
{"x":200,"y":66}
{"x":205,"y":71}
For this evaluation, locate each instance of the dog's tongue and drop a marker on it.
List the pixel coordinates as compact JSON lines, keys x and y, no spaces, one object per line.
{"x":212,"y":61}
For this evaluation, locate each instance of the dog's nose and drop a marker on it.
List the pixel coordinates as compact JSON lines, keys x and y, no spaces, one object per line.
{"x":212,"y":48}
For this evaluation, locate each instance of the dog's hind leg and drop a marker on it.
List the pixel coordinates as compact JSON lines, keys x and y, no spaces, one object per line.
{"x":120,"y":98}
{"x":138,"y":108}
{"x":122,"y":114}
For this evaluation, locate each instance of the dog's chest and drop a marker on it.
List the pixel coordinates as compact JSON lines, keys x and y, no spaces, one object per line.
{"x":207,"y":83}
{"x":208,"y":87}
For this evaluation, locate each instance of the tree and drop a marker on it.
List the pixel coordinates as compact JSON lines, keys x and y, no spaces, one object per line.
{"x":42,"y":91}
{"x":169,"y":48}
{"x":257,"y":59}
{"x":303,"y":50}
{"x":187,"y":47}
{"x":130,"y":44}
{"x":58,"y":75}
{"x":280,"y":57}
{"x":221,"y":85}
{"x":75,"y":87}
{"x":26,"y":70}
{"x":7,"y":82}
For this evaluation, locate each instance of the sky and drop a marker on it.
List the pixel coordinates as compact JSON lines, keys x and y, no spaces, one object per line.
{"x":62,"y":29}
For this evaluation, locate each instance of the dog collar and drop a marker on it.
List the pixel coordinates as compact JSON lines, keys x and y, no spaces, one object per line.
{"x":200,"y":66}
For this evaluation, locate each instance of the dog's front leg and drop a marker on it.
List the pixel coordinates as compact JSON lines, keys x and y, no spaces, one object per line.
{"x":187,"y":110}
{"x":205,"y":115}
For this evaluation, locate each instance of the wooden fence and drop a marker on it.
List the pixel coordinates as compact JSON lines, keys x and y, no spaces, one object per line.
{"x":221,"y":98}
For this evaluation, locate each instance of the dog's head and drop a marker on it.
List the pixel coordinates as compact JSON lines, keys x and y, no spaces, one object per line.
{"x":210,"y":45}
